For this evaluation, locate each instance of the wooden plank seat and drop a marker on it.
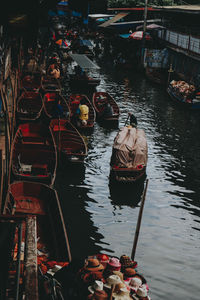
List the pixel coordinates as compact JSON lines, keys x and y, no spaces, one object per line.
{"x":30,"y":157}
{"x":29,"y":204}
{"x":73,"y":149}
{"x":72,"y":141}
{"x":35,"y":140}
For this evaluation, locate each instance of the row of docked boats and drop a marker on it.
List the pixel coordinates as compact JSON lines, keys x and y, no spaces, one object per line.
{"x":47,"y":92}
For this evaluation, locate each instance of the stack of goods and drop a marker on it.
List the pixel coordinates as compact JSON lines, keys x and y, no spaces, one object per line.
{"x":182,"y":88}
{"x":104,"y":277}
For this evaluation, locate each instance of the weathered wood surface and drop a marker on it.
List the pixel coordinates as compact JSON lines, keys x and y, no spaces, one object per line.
{"x":31,"y":270}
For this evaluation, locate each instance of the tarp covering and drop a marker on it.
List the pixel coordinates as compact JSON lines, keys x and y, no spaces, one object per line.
{"x":86,"y":43}
{"x":130,"y":148}
{"x":150,"y":27}
{"x":114,"y":19}
{"x":100,"y":16}
{"x":83,"y":61}
{"x":125,"y":35}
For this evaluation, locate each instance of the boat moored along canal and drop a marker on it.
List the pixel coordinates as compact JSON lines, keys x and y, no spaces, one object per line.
{"x":185,"y":94}
{"x":29,"y":106}
{"x":69,"y":142}
{"x":82,"y":113}
{"x":33,"y":154}
{"x":40,"y":242}
{"x":106,"y":108}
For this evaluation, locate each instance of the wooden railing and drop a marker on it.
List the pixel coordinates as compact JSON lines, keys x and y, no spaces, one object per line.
{"x":184,"y":41}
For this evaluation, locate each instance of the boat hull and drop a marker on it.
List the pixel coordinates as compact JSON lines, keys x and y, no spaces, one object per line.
{"x":107,"y":120}
{"x":33,"y":154}
{"x":177,"y":99}
{"x":71,"y":146}
{"x":126,"y":175}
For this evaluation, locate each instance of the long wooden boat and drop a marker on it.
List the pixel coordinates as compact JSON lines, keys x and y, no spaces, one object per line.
{"x":129,"y":155}
{"x":101,"y":100}
{"x":41,"y":243}
{"x":50,"y":84}
{"x":29,"y":106}
{"x":190,"y":103}
{"x":33,"y":154}
{"x":79,"y":82}
{"x":55,"y":105}
{"x":74,"y":101}
{"x":30,"y":81}
{"x":68,"y":140}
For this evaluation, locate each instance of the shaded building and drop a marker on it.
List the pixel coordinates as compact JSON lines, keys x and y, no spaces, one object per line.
{"x":181,"y":37}
{"x":98,"y":6}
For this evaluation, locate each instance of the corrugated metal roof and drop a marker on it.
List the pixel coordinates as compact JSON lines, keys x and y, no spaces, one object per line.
{"x":100,"y":16}
{"x":83,"y":61}
{"x":114,"y":19}
{"x":136,"y":22}
{"x":181,"y":8}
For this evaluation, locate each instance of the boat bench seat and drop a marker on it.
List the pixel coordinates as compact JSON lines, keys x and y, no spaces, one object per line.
{"x":30,"y":205}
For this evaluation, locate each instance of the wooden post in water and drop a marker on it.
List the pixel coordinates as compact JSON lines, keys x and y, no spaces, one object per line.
{"x":31,"y":278}
{"x":144,"y":33}
{"x":139,"y":221}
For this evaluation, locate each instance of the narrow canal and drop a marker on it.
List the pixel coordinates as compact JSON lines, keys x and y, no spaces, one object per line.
{"x":102,"y":219}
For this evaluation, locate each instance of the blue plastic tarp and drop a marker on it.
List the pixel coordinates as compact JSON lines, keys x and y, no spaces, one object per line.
{"x":86,"y":43}
{"x":63,"y":3}
{"x":125,"y":35}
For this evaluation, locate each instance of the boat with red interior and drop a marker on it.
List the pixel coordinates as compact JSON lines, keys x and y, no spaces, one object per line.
{"x":42,"y":240}
{"x":86,"y":123}
{"x":55,"y":105}
{"x":30,"y":81}
{"x":70,"y":143}
{"x":129,"y":155}
{"x":33,"y":154}
{"x":29,"y":106}
{"x":50,"y":84}
{"x":106,"y":107}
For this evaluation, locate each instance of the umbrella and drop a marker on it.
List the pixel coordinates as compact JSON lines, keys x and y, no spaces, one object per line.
{"x":62,"y":43}
{"x":138,"y":35}
{"x":150,"y":26}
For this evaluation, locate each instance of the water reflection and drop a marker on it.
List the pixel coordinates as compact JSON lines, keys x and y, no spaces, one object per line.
{"x":126,"y":194}
{"x":83,"y":235}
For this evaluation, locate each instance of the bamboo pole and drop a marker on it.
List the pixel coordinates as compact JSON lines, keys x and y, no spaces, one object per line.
{"x":144,"y":32}
{"x":139,"y":222}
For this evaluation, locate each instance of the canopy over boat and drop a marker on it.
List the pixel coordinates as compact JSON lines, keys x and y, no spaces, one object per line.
{"x":130,"y":148}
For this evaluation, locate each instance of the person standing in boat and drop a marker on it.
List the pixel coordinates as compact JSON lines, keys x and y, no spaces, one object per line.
{"x":53,"y":70}
{"x":133,"y":120}
{"x":82,"y":114}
